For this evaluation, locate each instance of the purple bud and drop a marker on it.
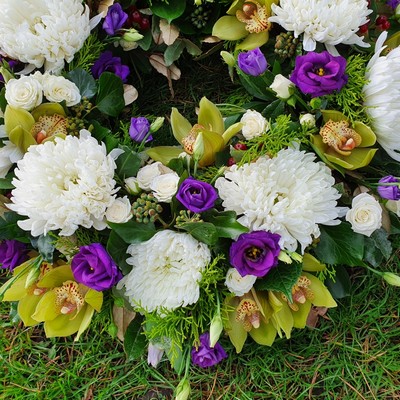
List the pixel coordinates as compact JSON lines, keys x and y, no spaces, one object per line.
{"x":206,"y":356}
{"x":139,"y":129}
{"x":391,"y":190}
{"x":106,"y":62}
{"x":115,"y":19}
{"x":252,"y":62}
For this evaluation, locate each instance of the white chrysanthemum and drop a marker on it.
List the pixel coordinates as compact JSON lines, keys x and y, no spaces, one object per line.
{"x":324,"y":21}
{"x":43,"y":32}
{"x":166,"y":271}
{"x":289,"y":194}
{"x":382,"y":97}
{"x":64,"y":184}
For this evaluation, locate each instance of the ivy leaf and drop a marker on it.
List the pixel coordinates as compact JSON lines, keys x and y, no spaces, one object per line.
{"x":84,"y":81}
{"x":134,"y":341}
{"x":110,"y":94}
{"x":174,"y":9}
{"x":340,"y":245}
{"x":128,"y":163}
{"x":133,"y":232}
{"x":281,"y":279}
{"x":202,"y":231}
{"x":116,"y":248}
{"x":226,"y":224}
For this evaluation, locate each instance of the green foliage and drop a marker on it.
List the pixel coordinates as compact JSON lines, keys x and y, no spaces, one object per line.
{"x":84,"y":81}
{"x":85,"y":236}
{"x":350,"y":98}
{"x":128,"y":163}
{"x":134,"y":340}
{"x":88,"y":54}
{"x":282,"y":133}
{"x":110,"y":94}
{"x":174,"y":9}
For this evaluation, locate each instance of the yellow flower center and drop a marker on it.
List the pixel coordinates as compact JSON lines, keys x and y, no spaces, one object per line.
{"x":69,"y":298}
{"x":255,"y":16}
{"x":320,"y":71}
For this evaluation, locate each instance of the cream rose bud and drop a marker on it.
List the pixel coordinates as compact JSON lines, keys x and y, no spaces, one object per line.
{"x":281,"y":86}
{"x":237,"y":284}
{"x":132,"y":186}
{"x":147,"y":173}
{"x":25,"y":92}
{"x":307,"y":119}
{"x":120,"y":211}
{"x":254,"y":124}
{"x":165,"y":186}
{"x":58,"y":89}
{"x":365,"y":215}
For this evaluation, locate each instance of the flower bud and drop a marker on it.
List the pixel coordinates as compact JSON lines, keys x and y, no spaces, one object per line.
{"x":32,"y":277}
{"x":132,"y":186}
{"x":307,"y":120}
{"x":198,"y":148}
{"x":216,"y":328}
{"x":315,"y":103}
{"x":284,"y":257}
{"x":132,"y":35}
{"x":228,"y":58}
{"x":157,"y":124}
{"x":391,"y":278}
{"x":183,"y":390}
{"x":282,"y":86}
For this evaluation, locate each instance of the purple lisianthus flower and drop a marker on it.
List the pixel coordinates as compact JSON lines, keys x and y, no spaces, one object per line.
{"x":255,"y":253}
{"x":252,"y":62}
{"x":12,"y":253}
{"x":390,"y":190}
{"x":114,"y":19}
{"x":106,"y":62}
{"x":206,"y":356}
{"x":139,"y":129}
{"x":196,"y":196}
{"x":94,"y":267}
{"x":393,"y":3}
{"x":318,"y":74}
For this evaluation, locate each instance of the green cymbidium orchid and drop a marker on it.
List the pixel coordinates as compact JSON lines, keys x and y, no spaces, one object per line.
{"x":202,"y":140}
{"x":247,"y":20}
{"x":344,"y":145}
{"x":51,"y":295}
{"x":45,"y":122}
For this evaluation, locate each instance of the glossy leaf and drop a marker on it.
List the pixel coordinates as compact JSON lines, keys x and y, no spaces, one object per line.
{"x":134,"y":232}
{"x":128,"y":163}
{"x":134,"y":342}
{"x":174,"y":9}
{"x":202,"y":231}
{"x":116,"y":248}
{"x":341,"y":286}
{"x":84,"y":81}
{"x":225,"y":223}
{"x":110,"y":94}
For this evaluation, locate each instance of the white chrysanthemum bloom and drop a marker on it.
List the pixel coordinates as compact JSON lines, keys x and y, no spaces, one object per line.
{"x":43,"y":32}
{"x":382,"y":97}
{"x":289,"y":194}
{"x":57,"y":89}
{"x":166,"y":271}
{"x":25,"y":92}
{"x":238,"y":284}
{"x":63,"y":184}
{"x":327,"y":21}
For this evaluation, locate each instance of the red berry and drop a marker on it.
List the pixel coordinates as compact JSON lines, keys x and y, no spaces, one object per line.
{"x":144,"y":24}
{"x":240,"y":146}
{"x":231,"y":161}
{"x":381,"y":19}
{"x":136,"y":17}
{"x":363,"y":28}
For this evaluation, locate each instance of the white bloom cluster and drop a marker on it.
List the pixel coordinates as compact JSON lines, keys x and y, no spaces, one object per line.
{"x":330,"y":22}
{"x":27,"y":91}
{"x":43,"y":32}
{"x":166,"y":271}
{"x":289,"y":194}
{"x":382,"y":97}
{"x":63,"y":184}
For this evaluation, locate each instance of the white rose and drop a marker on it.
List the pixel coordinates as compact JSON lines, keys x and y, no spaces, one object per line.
{"x":132,"y":185}
{"x":237,"y":284}
{"x":25,"y":92}
{"x":119,"y":211}
{"x":307,"y":119}
{"x":254,"y":124}
{"x":58,"y":89}
{"x":365,"y":215}
{"x":147,"y":173}
{"x":281,"y":86}
{"x":165,"y":186}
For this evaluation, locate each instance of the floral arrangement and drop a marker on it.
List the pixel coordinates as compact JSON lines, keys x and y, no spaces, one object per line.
{"x":245,"y":223}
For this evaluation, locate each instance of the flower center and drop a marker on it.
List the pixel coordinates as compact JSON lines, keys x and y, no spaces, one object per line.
{"x":300,"y":293}
{"x":253,"y":253}
{"x":49,"y":125}
{"x":189,"y":141}
{"x":255,"y":16}
{"x":320,"y":71}
{"x":248,"y":313}
{"x":340,"y":137}
{"x":68,"y":297}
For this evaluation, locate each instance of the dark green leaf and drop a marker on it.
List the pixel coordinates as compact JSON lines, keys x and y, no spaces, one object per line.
{"x":281,"y":279}
{"x":99,"y":131}
{"x":9,"y":228}
{"x":372,"y":254}
{"x":133,"y":232}
{"x":146,"y":41}
{"x":135,"y":342}
{"x":340,"y":245}
{"x":257,"y":85}
{"x":274,"y":109}
{"x":84,"y":81}
{"x":191,"y":48}
{"x":174,"y":9}
{"x":381,"y":242}
{"x":5,"y":183}
{"x":128,"y":163}
{"x":178,"y":165}
{"x":110,"y":97}
{"x":3,"y":101}
{"x":173,"y":52}
{"x":116,"y":248}
{"x":341,"y":286}
{"x":394,"y":224}
{"x":202,"y":231}
{"x":226,"y":224}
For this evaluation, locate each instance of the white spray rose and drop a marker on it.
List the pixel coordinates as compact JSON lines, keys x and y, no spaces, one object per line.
{"x":237,"y":284}
{"x":58,"y":89}
{"x":25,"y":92}
{"x":254,"y":124}
{"x":281,"y":86}
{"x":165,"y":186}
{"x":120,"y":211}
{"x":132,"y":186}
{"x":147,"y":173}
{"x":307,"y":119}
{"x":365,"y":215}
